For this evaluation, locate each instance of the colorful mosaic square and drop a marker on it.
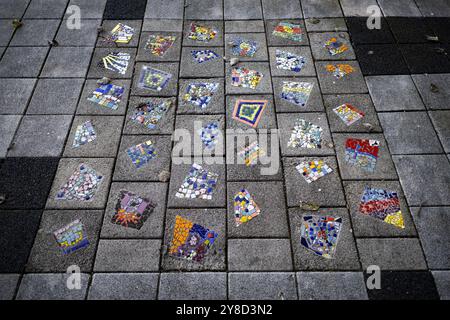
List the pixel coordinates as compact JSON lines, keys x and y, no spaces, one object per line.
{"x":245,"y":208}
{"x":382,"y":204}
{"x":149,"y":113}
{"x":200,"y":93}
{"x":249,"y":111}
{"x":116,"y":61}
{"x":158,"y":45}
{"x":153,"y":79}
{"x":289,"y":31}
{"x":199,"y":183}
{"x":122,"y":33}
{"x":245,"y":78}
{"x":320,"y":234}
{"x":85,"y":133}
{"x":296,"y":92}
{"x":243,"y":48}
{"x":251,"y":154}
{"x":191,"y":241}
{"x":201,"y":56}
{"x":362,"y":152}
{"x":107,"y":95}
{"x":82,"y":185}
{"x":201,"y":33}
{"x":348,"y":113}
{"x":340,"y":70}
{"x":313,"y":170}
{"x":142,"y":153}
{"x":132,"y":210}
{"x":305,"y":135}
{"x":335,"y":47}
{"x":289,"y":61}
{"x":209,"y":134}
{"x":71,"y":237}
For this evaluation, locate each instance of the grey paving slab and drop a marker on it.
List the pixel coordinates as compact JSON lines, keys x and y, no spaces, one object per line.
{"x":161,"y":9}
{"x":365,"y":226}
{"x":35,"y":32}
{"x":267,"y":121}
{"x":427,"y":85}
{"x":362,"y":102}
{"x":8,"y":126}
{"x":15,"y":95}
{"x":271,"y":222}
{"x":123,"y":286}
{"x":441,"y":121}
{"x":107,"y":130}
{"x":2,"y":49}
{"x":165,"y":25}
{"x":273,"y":40}
{"x":96,"y":69}
{"x":46,"y":9}
{"x":432,"y":171}
{"x":51,"y":286}
{"x":6,"y":31}
{"x":127,"y":255}
{"x":242,"y":9}
{"x":189,"y":68}
{"x":91,"y":9}
{"x":213,"y":219}
{"x":55,"y":96}
{"x":350,"y":83}
{"x":287,"y":122}
{"x":153,"y":226}
{"x":13,"y":8}
{"x":394,"y":92}
{"x":109,"y":25}
{"x":169,"y":90}
{"x":318,"y":40}
{"x":259,"y":38}
{"x":66,"y":167}
{"x":67,"y":62}
{"x":259,"y":255}
{"x":345,"y":256}
{"x":290,"y":9}
{"x":326,"y":8}
{"x":215,"y":106}
{"x":40,"y":136}
{"x":204,"y":10}
{"x":331,"y":286}
{"x":442,"y":281}
{"x":215,"y":24}
{"x":327,"y":24}
{"x":432,"y":224}
{"x":125,"y":170}
{"x":172,"y":54}
{"x":434,"y":8}
{"x":26,"y":62}
{"x":8,"y":285}
{"x":264,"y":86}
{"x":384,"y":168}
{"x":46,"y":255}
{"x":326,"y":191}
{"x":85,"y":36}
{"x":244,"y":26}
{"x":262,"y":286}
{"x":402,"y":8}
{"x":356,"y":8}
{"x":302,"y":51}
{"x":185,"y":286}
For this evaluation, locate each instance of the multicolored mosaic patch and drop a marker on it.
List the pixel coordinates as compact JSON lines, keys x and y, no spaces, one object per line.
{"x":245,"y":208}
{"x":362,"y":152}
{"x":348,"y":113}
{"x":209,"y":134}
{"x":243,"y":48}
{"x":245,"y":78}
{"x":107,"y":95}
{"x":82,"y":185}
{"x":289,"y":31}
{"x":158,"y":45}
{"x":72,"y":237}
{"x":334,"y":46}
{"x":199,"y":183}
{"x":249,"y":111}
{"x":85,"y":133}
{"x":320,"y":234}
{"x":251,"y":154}
{"x":142,"y":153}
{"x":200,"y":93}
{"x":289,"y":61}
{"x":313,"y":170}
{"x":153,"y":79}
{"x":150,"y":112}
{"x":131,"y":210}
{"x":201,"y":32}
{"x":305,"y":135}
{"x":339,"y":70}
{"x":296,"y":92}
{"x":201,"y":56}
{"x":116,"y":61}
{"x":122,"y":33}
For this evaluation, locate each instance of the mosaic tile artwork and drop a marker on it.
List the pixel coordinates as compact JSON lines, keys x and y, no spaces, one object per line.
{"x":82,"y":185}
{"x":348,"y":113}
{"x":289,"y":61}
{"x":245,"y":78}
{"x":199,"y":183}
{"x":158,"y":45}
{"x":201,"y":33}
{"x":340,"y":70}
{"x":191,"y":241}
{"x":362,"y":152}
{"x":131,"y":210}
{"x":334,"y":46}
{"x":249,"y":111}
{"x":251,"y":154}
{"x":243,"y":48}
{"x":142,"y":153}
{"x":71,"y":237}
{"x":245,"y":208}
{"x":305,"y":135}
{"x":296,"y":92}
{"x":150,"y":112}
{"x":289,"y":31}
{"x":115,"y":61}
{"x":107,"y":95}
{"x":153,"y":79}
{"x":209,"y":134}
{"x":320,"y":234}
{"x":200,"y":93}
{"x":201,"y":56}
{"x":85,"y":133}
{"x":122,"y":33}
{"x":313,"y":170}
{"x":382,"y":204}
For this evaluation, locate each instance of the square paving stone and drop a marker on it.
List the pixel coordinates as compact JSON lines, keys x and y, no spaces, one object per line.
{"x":126,"y":170}
{"x":165,"y":124}
{"x":424,"y":58}
{"x":331,"y":24}
{"x":13,"y":8}
{"x":91,"y":9}
{"x":85,"y":36}
{"x":432,"y":171}
{"x":204,"y":10}
{"x":67,"y":62}
{"x":98,"y":71}
{"x":409,"y":133}
{"x":47,"y":256}
{"x":262,"y":286}
{"x":384,"y":168}
{"x":6,"y":31}
{"x":123,"y":286}
{"x":331,"y":286}
{"x":35,"y":33}
{"x":107,"y":130}
{"x":345,"y":257}
{"x":440,"y":120}
{"x":433,"y":225}
{"x":433,"y":99}
{"x":15,"y":95}
{"x":271,"y":222}
{"x":356,"y":7}
{"x":91,"y":108}
{"x":172,"y":54}
{"x":244,"y":26}
{"x":273,"y":40}
{"x":2,"y":49}
{"x":326,"y":191}
{"x":409,"y":30}
{"x":117,"y":9}
{"x":215,"y":106}
{"x":362,"y":102}
{"x":8,"y":126}
{"x":392,"y":254}
{"x":314,"y":103}
{"x":185,"y":286}
{"x":379,"y":59}
{"x":127,"y":255}
{"x":327,"y":8}
{"x":153,"y":227}
{"x":394,"y":92}
{"x":259,"y":38}
{"x":303,"y":51}
{"x":164,"y":25}
{"x":360,"y":34}
{"x":102,"y":166}
{"x":109,"y":25}
{"x":46,"y":9}
{"x":161,"y":9}
{"x":434,"y":8}
{"x":267,"y":121}
{"x":319,"y":51}
{"x":190,"y":68}
{"x":264,"y":86}
{"x":365,"y":226}
{"x":55,"y":96}
{"x":259,"y":255}
{"x":18,"y":231}
{"x":287,"y":123}
{"x":350,"y":83}
{"x":20,"y":62}
{"x":170,"y":90}
{"x":403,"y":8}
{"x":242,"y":10}
{"x":8,"y":285}
{"x":215,"y":24}
{"x":289,"y":10}
{"x":40,"y":136}
{"x":442,"y":280}
{"x":51,"y":286}
{"x":213,"y":219}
